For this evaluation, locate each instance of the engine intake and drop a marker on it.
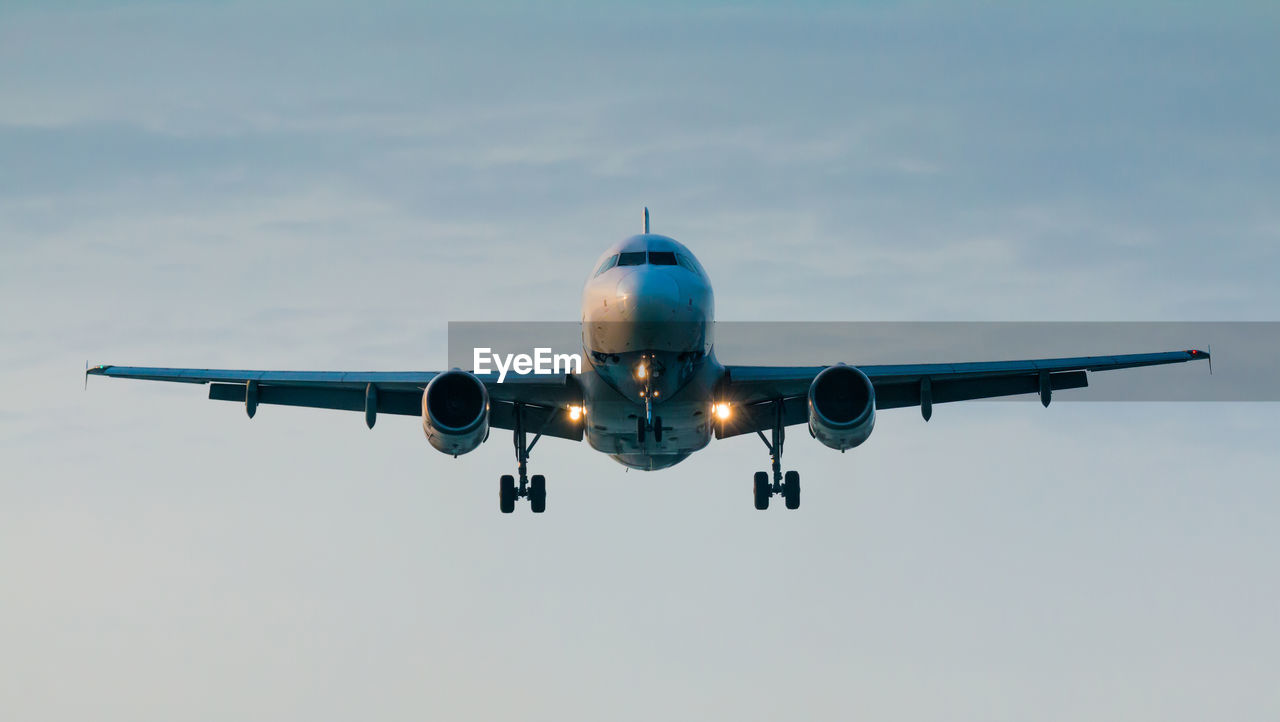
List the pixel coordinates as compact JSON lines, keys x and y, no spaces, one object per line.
{"x":455,"y":412}
{"x":842,"y":407}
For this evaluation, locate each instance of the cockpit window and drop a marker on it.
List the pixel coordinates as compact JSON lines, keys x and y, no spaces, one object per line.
{"x":655,"y":258}
{"x":609,"y":263}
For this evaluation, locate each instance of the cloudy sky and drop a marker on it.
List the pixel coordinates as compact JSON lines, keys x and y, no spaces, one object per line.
{"x":304,"y":185}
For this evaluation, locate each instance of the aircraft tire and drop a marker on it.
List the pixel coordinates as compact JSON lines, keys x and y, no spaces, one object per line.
{"x":507,"y":493}
{"x":762,"y":490}
{"x":791,"y":489}
{"x":537,"y":493}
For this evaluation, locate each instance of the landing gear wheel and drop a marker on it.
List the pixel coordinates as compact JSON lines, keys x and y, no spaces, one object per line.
{"x":657,"y":429}
{"x":507,"y":493}
{"x":762,"y":490}
{"x":640,"y":429}
{"x":538,"y":493}
{"x":791,"y":489}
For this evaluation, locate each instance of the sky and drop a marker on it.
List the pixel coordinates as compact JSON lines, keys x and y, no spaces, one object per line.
{"x":327,"y":186}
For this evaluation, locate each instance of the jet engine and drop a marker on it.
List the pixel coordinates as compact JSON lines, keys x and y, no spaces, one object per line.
{"x":455,"y":412}
{"x":842,"y":407}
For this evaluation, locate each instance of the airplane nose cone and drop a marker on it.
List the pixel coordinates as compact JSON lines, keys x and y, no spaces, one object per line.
{"x":649,"y":296}
{"x":646,"y":310}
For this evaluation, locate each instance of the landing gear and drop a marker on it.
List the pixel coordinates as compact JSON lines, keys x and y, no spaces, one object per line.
{"x":537,"y":493}
{"x":791,"y":489}
{"x":643,"y":427}
{"x":533,"y":488}
{"x":507,"y":493}
{"x":789,"y":485}
{"x":648,"y":370}
{"x":762,"y":490}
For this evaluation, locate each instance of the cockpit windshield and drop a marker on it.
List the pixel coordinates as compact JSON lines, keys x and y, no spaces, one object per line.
{"x":653,"y":258}
{"x":609,"y":262}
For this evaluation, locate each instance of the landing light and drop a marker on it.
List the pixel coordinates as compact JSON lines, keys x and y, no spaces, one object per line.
{"x":721,"y":410}
{"x":641,"y":371}
{"x":575,"y":413}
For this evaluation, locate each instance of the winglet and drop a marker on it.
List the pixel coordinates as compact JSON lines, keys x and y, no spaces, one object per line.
{"x":1196,"y":354}
{"x":98,"y":370}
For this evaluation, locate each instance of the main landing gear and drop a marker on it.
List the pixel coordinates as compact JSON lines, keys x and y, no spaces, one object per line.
{"x":787,"y":485}
{"x":534,"y":488}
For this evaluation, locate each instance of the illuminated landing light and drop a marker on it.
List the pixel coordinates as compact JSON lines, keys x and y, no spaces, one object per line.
{"x":641,"y":371}
{"x":722,"y":410}
{"x":575,"y":413}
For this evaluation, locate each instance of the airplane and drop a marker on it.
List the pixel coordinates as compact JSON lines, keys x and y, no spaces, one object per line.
{"x":651,"y":391}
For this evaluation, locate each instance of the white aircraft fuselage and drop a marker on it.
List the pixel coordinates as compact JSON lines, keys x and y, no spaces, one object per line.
{"x":647,"y":323}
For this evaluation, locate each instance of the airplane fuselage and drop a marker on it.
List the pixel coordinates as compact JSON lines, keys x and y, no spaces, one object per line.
{"x":648,"y":317}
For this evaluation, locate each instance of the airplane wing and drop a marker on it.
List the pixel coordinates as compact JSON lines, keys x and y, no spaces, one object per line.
{"x":542,"y":397}
{"x":753,"y":390}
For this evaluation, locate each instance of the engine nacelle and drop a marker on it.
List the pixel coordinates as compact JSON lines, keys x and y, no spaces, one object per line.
{"x":455,"y":412}
{"x":842,"y":407}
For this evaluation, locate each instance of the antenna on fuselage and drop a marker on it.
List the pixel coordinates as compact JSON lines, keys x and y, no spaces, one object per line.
{"x":646,"y":219}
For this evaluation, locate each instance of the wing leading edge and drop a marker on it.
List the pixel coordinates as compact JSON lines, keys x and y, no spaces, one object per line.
{"x":755,"y":389}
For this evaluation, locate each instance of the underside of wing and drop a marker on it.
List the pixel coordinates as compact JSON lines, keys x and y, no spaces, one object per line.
{"x":759,"y":391}
{"x":541,"y":398}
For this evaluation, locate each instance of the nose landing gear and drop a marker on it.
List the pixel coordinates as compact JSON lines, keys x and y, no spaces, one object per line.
{"x":788,"y":485}
{"x":649,"y":369}
{"x":643,"y":427}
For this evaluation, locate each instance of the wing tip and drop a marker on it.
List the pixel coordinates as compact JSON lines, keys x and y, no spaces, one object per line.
{"x":1197,"y":354}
